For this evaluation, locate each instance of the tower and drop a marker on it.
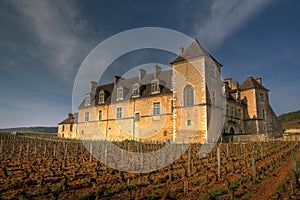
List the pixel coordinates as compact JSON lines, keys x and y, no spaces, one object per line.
{"x":196,"y":91}
{"x":259,"y":115}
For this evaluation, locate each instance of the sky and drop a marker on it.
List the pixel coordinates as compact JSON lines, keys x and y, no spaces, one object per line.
{"x":44,"y":42}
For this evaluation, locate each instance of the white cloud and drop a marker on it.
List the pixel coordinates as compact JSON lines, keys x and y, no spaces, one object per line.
{"x":225,"y":17}
{"x":60,"y":30}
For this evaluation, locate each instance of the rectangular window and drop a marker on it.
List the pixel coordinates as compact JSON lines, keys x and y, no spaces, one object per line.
{"x":63,"y":128}
{"x":100,"y":115}
{"x":135,"y":89}
{"x":87,"y":117}
{"x":156,"y":108}
{"x":155,"y":86}
{"x":101,"y":97}
{"x":120,"y":93}
{"x":262,"y":97}
{"x":189,"y":122}
{"x":137,"y":117}
{"x":71,"y":127}
{"x":119,"y":113}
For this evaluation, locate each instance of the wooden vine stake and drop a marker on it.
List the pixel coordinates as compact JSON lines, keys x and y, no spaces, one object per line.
{"x":189,"y":161}
{"x":253,"y":167}
{"x":66,"y":151}
{"x":1,"y":147}
{"x":219,"y":162}
{"x":77,"y":148}
{"x":21,"y":155}
{"x":91,"y":151}
{"x":35,"y":152}
{"x":142,"y":159}
{"x":27,"y":151}
{"x":186,"y":186}
{"x":45,"y":150}
{"x":54,"y":151}
{"x":227,"y":150}
{"x":294,"y":161}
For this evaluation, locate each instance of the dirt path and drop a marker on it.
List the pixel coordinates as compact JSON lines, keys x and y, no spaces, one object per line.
{"x":266,"y":189}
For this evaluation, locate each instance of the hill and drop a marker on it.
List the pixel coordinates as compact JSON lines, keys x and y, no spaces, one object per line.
{"x":290,"y":120}
{"x":37,"y":129}
{"x":289,"y":117}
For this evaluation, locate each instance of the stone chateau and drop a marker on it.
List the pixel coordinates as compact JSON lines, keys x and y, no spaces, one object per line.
{"x":176,"y":105}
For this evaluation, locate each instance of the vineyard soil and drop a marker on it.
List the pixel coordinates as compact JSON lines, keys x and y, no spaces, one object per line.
{"x":47,"y":167}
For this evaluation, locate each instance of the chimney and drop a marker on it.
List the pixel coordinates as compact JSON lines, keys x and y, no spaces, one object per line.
{"x":259,"y":80}
{"x":70,"y":115}
{"x":142,"y":73}
{"x":234,"y":85}
{"x":157,"y":70}
{"x":116,"y":79}
{"x":181,"y":50}
{"x":228,"y":80}
{"x":93,"y":86}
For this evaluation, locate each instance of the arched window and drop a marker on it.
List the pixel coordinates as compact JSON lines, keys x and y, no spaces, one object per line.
{"x":188,"y":95}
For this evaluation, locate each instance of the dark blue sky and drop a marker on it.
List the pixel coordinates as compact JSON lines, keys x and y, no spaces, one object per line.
{"x":44,"y":42}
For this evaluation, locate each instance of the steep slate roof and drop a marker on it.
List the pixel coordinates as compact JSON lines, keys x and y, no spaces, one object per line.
{"x":195,"y":50}
{"x":72,"y":118}
{"x":251,"y":83}
{"x":164,"y":77}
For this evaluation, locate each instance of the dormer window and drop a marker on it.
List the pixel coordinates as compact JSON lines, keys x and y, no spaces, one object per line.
{"x":87,"y":100}
{"x":101,"y":97}
{"x":120,"y":94}
{"x":155,"y":86}
{"x":136,"y":89}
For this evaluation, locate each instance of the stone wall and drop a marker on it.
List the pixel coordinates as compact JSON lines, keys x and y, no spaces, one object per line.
{"x":147,"y":127}
{"x":65,"y":130}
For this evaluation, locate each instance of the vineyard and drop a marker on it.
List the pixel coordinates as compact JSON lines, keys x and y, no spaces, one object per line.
{"x":51,"y":168}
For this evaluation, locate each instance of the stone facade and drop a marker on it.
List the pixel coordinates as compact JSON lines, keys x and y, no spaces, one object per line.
{"x":189,"y":103}
{"x":68,"y":127}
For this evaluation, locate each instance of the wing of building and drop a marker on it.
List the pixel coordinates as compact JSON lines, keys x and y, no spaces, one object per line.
{"x":180,"y":104}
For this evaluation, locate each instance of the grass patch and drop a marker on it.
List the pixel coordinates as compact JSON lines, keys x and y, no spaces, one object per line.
{"x":205,"y":197}
{"x":220,"y":191}
{"x":152,"y":196}
{"x":248,"y":194}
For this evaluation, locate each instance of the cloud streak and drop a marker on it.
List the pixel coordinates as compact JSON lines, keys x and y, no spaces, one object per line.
{"x":224,"y":18}
{"x":61,"y":33}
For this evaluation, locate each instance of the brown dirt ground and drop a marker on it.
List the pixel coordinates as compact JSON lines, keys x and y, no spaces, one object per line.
{"x":266,"y":189}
